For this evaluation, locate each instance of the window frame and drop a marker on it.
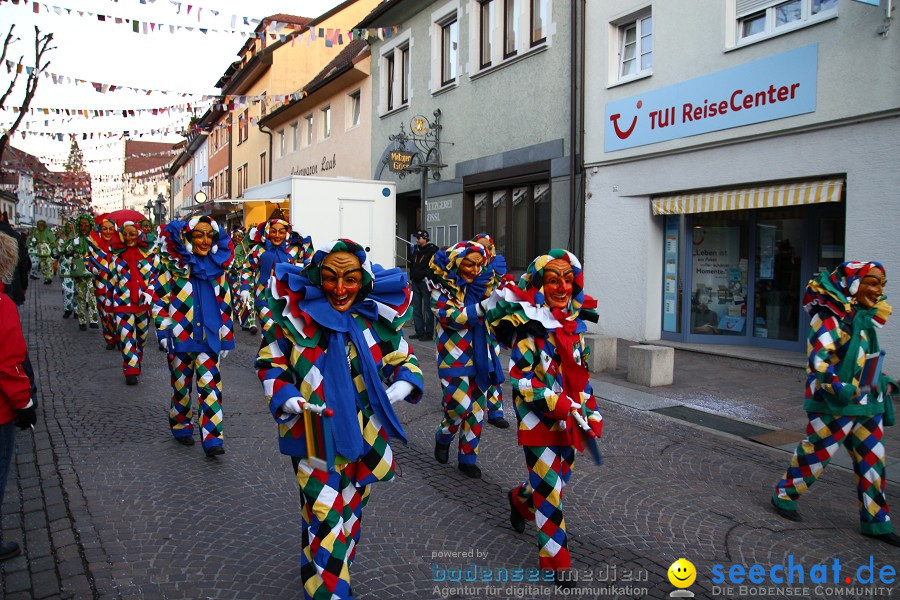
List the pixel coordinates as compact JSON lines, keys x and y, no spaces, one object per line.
{"x":507,"y":53}
{"x":263,"y":166}
{"x":768,"y":11}
{"x":243,"y":126}
{"x":486,"y":6}
{"x":326,"y":121}
{"x":295,"y":136}
{"x":282,"y":146}
{"x":310,"y":130}
{"x":636,"y":20}
{"x":531,"y":21}
{"x":395,"y":74}
{"x":448,"y":65}
{"x":354,"y":110}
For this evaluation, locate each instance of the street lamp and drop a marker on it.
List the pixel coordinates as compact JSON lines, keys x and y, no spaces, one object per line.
{"x":159,"y":211}
{"x":149,"y":208}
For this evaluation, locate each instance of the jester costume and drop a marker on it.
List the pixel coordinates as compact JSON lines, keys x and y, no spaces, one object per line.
{"x":65,"y":269}
{"x":130,"y":284}
{"x":260,"y":263}
{"x":320,"y":355}
{"x":43,"y":242}
{"x":492,"y":276}
{"x":548,"y":373}
{"x":841,"y":411}
{"x":76,"y":249}
{"x":467,"y":363}
{"x":245,"y":316}
{"x":100,"y":262}
{"x":192,"y":313}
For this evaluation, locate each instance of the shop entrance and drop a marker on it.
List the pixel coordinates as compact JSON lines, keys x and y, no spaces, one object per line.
{"x":738,"y":276}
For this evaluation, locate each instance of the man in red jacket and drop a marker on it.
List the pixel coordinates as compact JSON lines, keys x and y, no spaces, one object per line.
{"x":16,"y":405}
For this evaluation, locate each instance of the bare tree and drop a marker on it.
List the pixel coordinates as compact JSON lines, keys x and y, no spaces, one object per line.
{"x":41,"y":46}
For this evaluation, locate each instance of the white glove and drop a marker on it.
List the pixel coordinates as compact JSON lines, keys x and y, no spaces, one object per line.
{"x":245,"y":296}
{"x":163,"y":346}
{"x":575,"y":406}
{"x":292,"y":405}
{"x":479,"y":310}
{"x":399,"y":390}
{"x":165,"y":324}
{"x":147,"y":297}
{"x":223,"y":354}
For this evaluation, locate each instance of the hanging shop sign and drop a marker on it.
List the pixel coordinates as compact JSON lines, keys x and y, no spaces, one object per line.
{"x":772,"y":88}
{"x":399,"y":160}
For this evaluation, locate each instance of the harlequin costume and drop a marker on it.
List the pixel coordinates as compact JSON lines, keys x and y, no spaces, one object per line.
{"x":467,"y":363}
{"x":245,"y":316}
{"x":261,"y":261}
{"x":65,"y":269}
{"x":76,"y":249}
{"x":192,"y":313}
{"x":547,"y":372}
{"x":842,"y":412}
{"x":492,"y":276}
{"x":100,"y":261}
{"x":130,"y":283}
{"x":44,"y":245}
{"x":316,"y":353}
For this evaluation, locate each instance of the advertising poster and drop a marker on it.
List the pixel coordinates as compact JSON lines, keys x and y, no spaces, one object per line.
{"x":719,"y":276}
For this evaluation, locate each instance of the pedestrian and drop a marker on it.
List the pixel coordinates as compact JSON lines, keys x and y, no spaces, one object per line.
{"x":467,"y":364}
{"x":19,"y":284}
{"x":244,"y":313}
{"x":275,"y":243}
{"x":192,"y":311}
{"x":17,"y":408}
{"x":423,"y":318}
{"x":76,"y":250}
{"x":131,"y":281}
{"x":100,"y":264}
{"x":44,"y":243}
{"x":492,"y":276}
{"x":540,"y":320}
{"x":65,"y":268}
{"x":331,"y":341}
{"x":847,"y":307}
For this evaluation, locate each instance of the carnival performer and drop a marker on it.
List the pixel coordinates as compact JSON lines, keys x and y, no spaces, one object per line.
{"x":244,"y":313}
{"x":76,"y":250}
{"x":100,"y":261}
{"x":44,"y":243}
{"x":192,"y":312}
{"x":65,"y":268}
{"x":467,"y":364}
{"x":131,"y":280}
{"x":331,"y":342}
{"x":540,"y":320}
{"x":492,"y":276}
{"x":35,"y":272}
{"x":845,"y":405}
{"x":275,"y":243}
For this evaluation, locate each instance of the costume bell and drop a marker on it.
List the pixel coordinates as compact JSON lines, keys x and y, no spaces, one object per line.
{"x":847,"y":307}
{"x":540,"y":320}
{"x":100,"y":263}
{"x":274,"y":243}
{"x":333,"y":343}
{"x":192,"y":313}
{"x":131,"y":281}
{"x":467,"y":363}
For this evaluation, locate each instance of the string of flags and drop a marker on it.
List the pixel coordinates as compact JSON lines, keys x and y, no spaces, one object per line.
{"x":108,"y":112}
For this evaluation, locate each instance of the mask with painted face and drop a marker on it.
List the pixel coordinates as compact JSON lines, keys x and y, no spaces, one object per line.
{"x":107,"y":228}
{"x":558,"y":278}
{"x":202,"y":238}
{"x":342,"y":279}
{"x":470,"y":266}
{"x":130,"y":235}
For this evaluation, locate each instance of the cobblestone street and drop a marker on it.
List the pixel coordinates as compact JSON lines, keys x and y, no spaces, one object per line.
{"x":107,"y":505}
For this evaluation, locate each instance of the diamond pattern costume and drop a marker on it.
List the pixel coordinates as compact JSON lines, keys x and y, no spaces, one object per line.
{"x":316,"y":354}
{"x":841,"y":334}
{"x":545,"y":382}
{"x":65,"y":267}
{"x":100,"y":261}
{"x":192,"y":314}
{"x":467,"y":363}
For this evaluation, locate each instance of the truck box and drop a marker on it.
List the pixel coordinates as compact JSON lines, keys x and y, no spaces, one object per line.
{"x":328,"y":208}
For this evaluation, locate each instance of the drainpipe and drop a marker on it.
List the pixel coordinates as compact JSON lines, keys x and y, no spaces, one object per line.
{"x":581,"y":180}
{"x":268,"y":133}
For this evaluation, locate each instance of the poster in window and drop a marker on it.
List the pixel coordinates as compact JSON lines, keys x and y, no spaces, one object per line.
{"x":719,"y":276}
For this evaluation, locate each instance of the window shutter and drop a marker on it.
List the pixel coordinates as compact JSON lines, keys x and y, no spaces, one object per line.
{"x":746,"y":7}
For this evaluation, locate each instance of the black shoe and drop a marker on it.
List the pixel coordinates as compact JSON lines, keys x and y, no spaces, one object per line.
{"x":564,"y":580}
{"x":254,"y":330}
{"x":33,"y":276}
{"x":889,"y":538}
{"x":517,"y":521}
{"x":415,"y":336}
{"x":110,"y":346}
{"x":215,"y":451}
{"x":131,"y":380}
{"x":48,"y":281}
{"x":82,"y":326}
{"x":244,"y":328}
{"x":791,"y":515}
{"x":185,"y":440}
{"x":499,"y":422}
{"x":426,"y":338}
{"x":9,"y":550}
{"x":67,"y":313}
{"x":441,"y":452}
{"x":470,"y":470}
{"x":94,"y":326}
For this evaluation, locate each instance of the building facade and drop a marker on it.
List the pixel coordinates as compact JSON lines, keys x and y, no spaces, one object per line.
{"x":479,"y":92}
{"x":733,"y":150}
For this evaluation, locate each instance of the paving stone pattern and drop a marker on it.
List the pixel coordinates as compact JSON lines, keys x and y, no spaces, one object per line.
{"x":107,"y":505}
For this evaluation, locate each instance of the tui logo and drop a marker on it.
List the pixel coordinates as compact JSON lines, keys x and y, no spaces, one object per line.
{"x":615,"y":121}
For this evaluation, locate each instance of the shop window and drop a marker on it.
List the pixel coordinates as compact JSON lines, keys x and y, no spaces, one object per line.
{"x":779,"y":238}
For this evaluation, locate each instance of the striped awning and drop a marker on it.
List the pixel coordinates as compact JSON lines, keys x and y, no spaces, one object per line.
{"x":770,"y":196}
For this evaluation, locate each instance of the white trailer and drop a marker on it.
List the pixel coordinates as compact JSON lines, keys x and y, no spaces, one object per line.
{"x":328,"y":208}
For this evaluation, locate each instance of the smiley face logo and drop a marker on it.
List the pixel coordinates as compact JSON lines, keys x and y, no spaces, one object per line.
{"x":682,"y":573}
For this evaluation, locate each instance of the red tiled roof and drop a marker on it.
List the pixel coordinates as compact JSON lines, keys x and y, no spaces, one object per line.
{"x":135,"y":163}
